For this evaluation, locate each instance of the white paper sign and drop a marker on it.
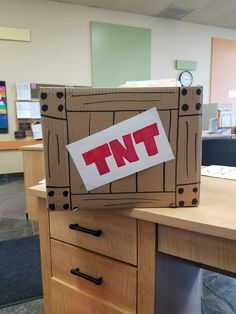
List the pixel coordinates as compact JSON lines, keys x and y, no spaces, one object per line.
{"x":37,"y":130}
{"x":121,"y":150}
{"x":23,"y":91}
{"x":28,"y":110}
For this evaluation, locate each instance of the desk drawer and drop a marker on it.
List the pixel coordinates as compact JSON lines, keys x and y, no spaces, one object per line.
{"x":118,"y":238}
{"x":65,"y":299}
{"x":118,"y":283}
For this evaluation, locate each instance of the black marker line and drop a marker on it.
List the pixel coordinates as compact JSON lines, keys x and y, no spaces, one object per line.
{"x":169,"y":125}
{"x":57,"y":187}
{"x":113,"y":122}
{"x":119,"y":110}
{"x":177,"y":141}
{"x":68,"y":155}
{"x":51,"y":117}
{"x":192,"y":183}
{"x":122,"y":193}
{"x":164,"y":179}
{"x":120,"y":100}
{"x":58,"y":150}
{"x":123,"y":198}
{"x":89,"y":123}
{"x":48,"y":147}
{"x":196,"y":135}
{"x":129,"y":203}
{"x":191,"y":115}
{"x":122,"y":93}
{"x":187,"y":144}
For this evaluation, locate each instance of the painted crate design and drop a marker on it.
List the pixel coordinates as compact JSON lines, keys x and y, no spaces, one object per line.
{"x":74,"y":113}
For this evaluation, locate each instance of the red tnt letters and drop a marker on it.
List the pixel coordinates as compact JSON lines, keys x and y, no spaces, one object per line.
{"x":146,"y":135}
{"x":98,"y":156}
{"x":120,"y":152}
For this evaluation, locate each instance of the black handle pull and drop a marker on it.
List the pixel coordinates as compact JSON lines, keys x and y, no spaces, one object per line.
{"x":96,"y":233}
{"x":77,"y":272}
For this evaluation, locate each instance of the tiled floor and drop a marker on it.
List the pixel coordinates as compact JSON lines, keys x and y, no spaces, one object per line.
{"x":33,"y":307}
{"x":219,"y":292}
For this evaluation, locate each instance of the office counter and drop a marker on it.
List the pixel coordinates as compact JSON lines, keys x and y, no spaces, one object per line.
{"x":129,"y":253}
{"x":33,"y":161}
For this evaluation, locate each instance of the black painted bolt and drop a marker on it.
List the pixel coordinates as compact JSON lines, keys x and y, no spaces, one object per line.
{"x":52,"y":206}
{"x":195,"y":190}
{"x":51,"y":193}
{"x":194,"y":201}
{"x":181,"y":203}
{"x":198,"y":106}
{"x":60,"y":95}
{"x":44,"y":107}
{"x":198,"y":91}
{"x":44,"y":95}
{"x":184,"y":92}
{"x":60,"y":107}
{"x":65,"y":193}
{"x":180,"y":190}
{"x":66,"y":206}
{"x":185,"y":107}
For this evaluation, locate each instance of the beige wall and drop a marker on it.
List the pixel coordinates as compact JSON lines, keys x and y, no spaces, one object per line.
{"x":59,"y":51}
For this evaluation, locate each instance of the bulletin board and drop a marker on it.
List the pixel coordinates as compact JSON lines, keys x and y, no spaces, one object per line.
{"x":3,"y":108}
{"x":223,"y":69}
{"x":119,"y":53}
{"x":24,"y":123}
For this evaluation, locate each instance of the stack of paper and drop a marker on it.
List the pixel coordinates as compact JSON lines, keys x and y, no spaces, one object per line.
{"x":219,"y":172}
{"x":151,"y":83}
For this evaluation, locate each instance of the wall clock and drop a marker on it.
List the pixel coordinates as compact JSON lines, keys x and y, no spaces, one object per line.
{"x":186,"y":78}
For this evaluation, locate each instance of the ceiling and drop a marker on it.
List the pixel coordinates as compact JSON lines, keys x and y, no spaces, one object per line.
{"x":209,"y":12}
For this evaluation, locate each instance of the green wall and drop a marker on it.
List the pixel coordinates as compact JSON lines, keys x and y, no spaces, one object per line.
{"x":119,"y":54}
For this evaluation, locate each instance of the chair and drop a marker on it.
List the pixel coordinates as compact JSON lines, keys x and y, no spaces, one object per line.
{"x":219,"y":151}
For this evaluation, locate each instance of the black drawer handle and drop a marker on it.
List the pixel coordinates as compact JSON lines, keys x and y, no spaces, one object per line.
{"x":96,"y":233}
{"x":77,"y":272}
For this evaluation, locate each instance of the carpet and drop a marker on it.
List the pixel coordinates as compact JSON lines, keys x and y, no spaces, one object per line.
{"x":20,"y":271}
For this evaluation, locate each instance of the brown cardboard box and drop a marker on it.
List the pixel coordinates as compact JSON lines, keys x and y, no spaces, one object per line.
{"x":71,"y":114}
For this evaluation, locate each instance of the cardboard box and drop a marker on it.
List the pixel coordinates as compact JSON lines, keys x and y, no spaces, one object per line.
{"x":71,"y":114}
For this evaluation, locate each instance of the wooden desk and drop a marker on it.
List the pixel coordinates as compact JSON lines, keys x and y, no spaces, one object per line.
{"x":33,"y":161}
{"x":204,"y":235}
{"x":16,"y":144}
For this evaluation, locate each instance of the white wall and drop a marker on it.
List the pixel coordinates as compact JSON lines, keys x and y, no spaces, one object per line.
{"x":59,"y":51}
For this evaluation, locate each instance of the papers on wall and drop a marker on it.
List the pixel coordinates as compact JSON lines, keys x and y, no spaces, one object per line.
{"x":23,"y":91}
{"x":223,"y":172}
{"x":28,"y":110}
{"x":37,"y":130}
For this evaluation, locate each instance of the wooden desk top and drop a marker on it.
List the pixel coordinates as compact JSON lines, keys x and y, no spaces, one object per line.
{"x":216,"y":214}
{"x":18,"y":144}
{"x":32,"y":147}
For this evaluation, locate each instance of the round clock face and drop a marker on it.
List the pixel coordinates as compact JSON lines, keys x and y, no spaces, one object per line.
{"x":186,"y":78}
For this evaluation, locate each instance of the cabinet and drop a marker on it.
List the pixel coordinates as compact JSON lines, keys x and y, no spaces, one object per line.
{"x":169,"y":243}
{"x":33,"y":161}
{"x":121,"y":271}
{"x":93,"y":262}
{"x":96,"y":256}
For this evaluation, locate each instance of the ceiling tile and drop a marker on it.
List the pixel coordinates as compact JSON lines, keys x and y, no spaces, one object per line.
{"x":149,"y":7}
{"x":88,"y":3}
{"x":212,"y":11}
{"x":226,"y":20}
